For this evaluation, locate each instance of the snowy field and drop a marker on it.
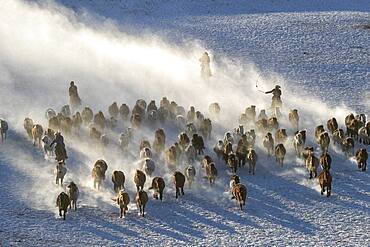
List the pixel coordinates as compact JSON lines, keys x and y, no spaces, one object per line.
{"x":125,"y":50}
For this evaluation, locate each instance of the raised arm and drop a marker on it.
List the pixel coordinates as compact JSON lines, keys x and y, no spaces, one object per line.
{"x":269,"y":91}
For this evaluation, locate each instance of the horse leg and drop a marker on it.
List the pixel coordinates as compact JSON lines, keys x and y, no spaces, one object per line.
{"x":121,"y":212}
{"x":182,"y":191}
{"x":143,"y":210}
{"x":364,"y":166}
{"x":177,"y":192}
{"x":64,"y":214}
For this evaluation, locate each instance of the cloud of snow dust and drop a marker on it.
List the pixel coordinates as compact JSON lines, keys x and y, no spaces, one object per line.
{"x":44,"y":47}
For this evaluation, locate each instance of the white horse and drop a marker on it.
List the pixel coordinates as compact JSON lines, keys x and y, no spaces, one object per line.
{"x":59,"y":172}
{"x":190,"y":173}
{"x":364,"y":135}
{"x":50,"y":113}
{"x":298,"y":143}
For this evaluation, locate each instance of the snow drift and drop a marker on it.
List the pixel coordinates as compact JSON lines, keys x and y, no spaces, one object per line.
{"x":44,"y":46}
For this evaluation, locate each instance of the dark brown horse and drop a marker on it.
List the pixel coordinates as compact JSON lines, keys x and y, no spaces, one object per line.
{"x":325,"y":182}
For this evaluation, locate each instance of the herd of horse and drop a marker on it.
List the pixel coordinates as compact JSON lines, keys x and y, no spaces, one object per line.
{"x":236,"y":149}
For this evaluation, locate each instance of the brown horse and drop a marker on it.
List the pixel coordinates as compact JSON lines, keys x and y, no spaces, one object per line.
{"x":139,"y":180}
{"x":268,"y":143}
{"x":281,"y":136}
{"x":239,"y":192}
{"x":232,"y":162}
{"x":37,"y":132}
{"x":124,"y":112}
{"x":252,"y":160}
{"x":159,"y":141}
{"x":179,"y":181}
{"x":280,"y":152}
{"x":123,"y":200}
{"x":98,"y":172}
{"x":118,"y":179}
{"x":332,"y":125}
{"x":141,"y":200}
{"x":211,"y":173}
{"x":294,"y":118}
{"x":361,"y":158}
{"x":63,"y":202}
{"x":87,"y":115}
{"x":325,"y":182}
{"x":60,"y":152}
{"x":158,"y":186}
{"x":113,"y":110}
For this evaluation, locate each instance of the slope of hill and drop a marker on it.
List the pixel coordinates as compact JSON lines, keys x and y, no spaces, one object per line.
{"x":152,"y":52}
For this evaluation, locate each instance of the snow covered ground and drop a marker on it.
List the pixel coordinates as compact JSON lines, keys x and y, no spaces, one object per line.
{"x":150,"y":49}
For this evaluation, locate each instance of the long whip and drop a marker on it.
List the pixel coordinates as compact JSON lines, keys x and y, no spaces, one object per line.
{"x":257,"y":85}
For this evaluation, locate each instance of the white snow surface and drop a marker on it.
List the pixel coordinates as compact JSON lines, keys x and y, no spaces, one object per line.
{"x":125,"y":50}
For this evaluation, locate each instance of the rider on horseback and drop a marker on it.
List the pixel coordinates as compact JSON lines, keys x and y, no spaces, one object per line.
{"x":276,"y":96}
{"x":60,"y":150}
{"x":205,"y":65}
{"x":325,"y":166}
{"x":75,"y":100}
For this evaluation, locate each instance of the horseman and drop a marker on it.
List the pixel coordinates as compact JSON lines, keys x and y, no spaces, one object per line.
{"x":60,"y":150}
{"x":326,"y":166}
{"x":276,"y":97}
{"x":74,"y":98}
{"x":205,"y":65}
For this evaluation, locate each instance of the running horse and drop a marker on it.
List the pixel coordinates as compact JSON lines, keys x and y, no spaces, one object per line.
{"x":325,"y":182}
